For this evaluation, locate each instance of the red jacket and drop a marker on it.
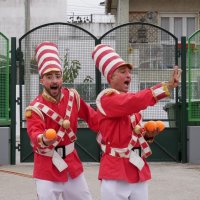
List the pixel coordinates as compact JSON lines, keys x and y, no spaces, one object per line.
{"x":43,"y":166}
{"x":114,"y":112}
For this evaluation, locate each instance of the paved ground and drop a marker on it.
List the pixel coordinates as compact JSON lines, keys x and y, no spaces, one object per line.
{"x":171,"y":181}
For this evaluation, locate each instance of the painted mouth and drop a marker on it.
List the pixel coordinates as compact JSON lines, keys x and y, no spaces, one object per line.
{"x":127,"y":83}
{"x":54,"y":87}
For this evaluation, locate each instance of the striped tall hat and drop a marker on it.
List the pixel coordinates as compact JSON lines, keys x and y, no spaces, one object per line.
{"x":47,"y":57}
{"x":107,"y":60}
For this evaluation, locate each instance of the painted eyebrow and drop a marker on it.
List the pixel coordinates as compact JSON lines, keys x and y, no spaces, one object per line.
{"x":122,"y":69}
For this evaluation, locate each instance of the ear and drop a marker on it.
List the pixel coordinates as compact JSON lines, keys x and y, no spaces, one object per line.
{"x":41,"y":81}
{"x":110,"y":76}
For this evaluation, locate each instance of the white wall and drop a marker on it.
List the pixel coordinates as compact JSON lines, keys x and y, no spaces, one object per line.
{"x":47,"y":11}
{"x":12,"y":18}
{"x":12,"y":15}
{"x":98,"y":29}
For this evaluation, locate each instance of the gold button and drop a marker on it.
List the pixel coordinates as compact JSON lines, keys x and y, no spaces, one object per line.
{"x":66,"y":124}
{"x":28,"y":113}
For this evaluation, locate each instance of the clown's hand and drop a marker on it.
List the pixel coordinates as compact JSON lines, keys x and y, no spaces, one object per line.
{"x":152,"y":129}
{"x":174,"y":80}
{"x":150,"y":135}
{"x":49,"y":137}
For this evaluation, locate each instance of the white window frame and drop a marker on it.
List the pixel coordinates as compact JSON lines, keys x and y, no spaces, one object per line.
{"x":184,"y":16}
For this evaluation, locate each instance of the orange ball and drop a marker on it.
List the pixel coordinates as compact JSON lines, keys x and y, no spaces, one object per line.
{"x":160,"y":125}
{"x":50,"y":134}
{"x":150,"y":126}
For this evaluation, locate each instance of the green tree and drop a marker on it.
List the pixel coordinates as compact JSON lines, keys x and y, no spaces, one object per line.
{"x":70,"y":69}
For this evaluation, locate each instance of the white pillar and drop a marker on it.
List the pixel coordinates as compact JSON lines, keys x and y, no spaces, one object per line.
{"x":123,"y":12}
{"x":122,"y":18}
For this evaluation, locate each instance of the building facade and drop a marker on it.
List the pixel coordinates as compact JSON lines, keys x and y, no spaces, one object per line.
{"x":180,"y":17}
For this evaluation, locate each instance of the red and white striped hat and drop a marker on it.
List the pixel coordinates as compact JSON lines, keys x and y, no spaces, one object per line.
{"x":107,"y":60}
{"x":47,"y":57}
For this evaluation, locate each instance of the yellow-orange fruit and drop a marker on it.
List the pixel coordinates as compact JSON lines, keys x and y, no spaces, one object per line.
{"x":160,"y":125}
{"x":150,"y":126}
{"x":50,"y":134}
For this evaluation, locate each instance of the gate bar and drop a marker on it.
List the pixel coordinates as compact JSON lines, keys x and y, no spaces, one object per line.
{"x":13,"y":100}
{"x":97,"y":75}
{"x":184,"y":105}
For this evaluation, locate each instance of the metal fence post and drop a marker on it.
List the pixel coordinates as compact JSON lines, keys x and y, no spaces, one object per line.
{"x":97,"y":75}
{"x":184,"y":103}
{"x":13,"y":100}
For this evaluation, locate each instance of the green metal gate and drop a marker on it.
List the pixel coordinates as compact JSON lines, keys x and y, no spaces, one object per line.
{"x":4,"y":81}
{"x":194,"y":77}
{"x":150,"y":48}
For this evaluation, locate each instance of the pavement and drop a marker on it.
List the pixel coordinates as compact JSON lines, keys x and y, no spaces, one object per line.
{"x":170,"y":181}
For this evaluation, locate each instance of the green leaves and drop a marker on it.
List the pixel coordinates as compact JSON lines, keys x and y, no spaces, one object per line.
{"x":71,"y":70}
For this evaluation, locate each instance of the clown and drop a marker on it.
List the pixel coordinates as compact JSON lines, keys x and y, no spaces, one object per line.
{"x":58,"y":170}
{"x":123,"y":168}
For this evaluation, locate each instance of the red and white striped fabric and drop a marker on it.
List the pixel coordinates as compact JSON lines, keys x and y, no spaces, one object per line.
{"x":107,"y":60}
{"x":125,"y":152}
{"x":135,"y":119}
{"x":146,"y":151}
{"x":47,"y":57}
{"x":128,"y":151}
{"x":160,"y":91}
{"x":57,"y":118}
